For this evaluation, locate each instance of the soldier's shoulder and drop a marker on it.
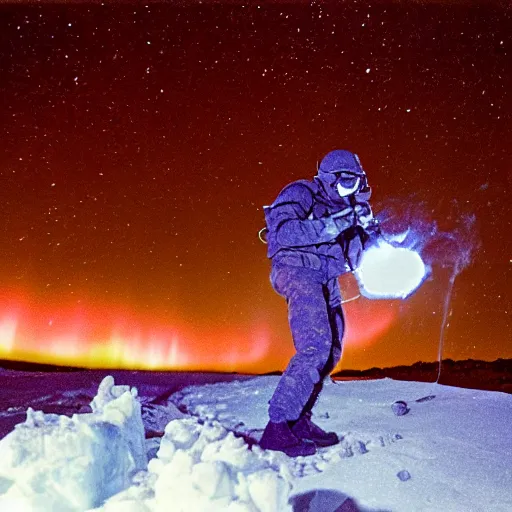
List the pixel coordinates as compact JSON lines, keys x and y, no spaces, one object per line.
{"x":300,"y":189}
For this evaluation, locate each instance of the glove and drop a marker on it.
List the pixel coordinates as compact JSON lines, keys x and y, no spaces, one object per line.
{"x":364,"y":215}
{"x":359,"y":215}
{"x":345,"y":219}
{"x":352,"y":216}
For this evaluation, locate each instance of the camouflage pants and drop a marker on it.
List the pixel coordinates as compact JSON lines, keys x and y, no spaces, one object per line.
{"x":316,"y":321}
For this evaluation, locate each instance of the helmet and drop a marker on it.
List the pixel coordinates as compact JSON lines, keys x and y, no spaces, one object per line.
{"x":341,"y":160}
{"x":341,"y":174}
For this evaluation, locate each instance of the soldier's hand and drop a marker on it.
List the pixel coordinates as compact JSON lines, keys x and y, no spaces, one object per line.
{"x":364,"y":215}
{"x":345,"y":218}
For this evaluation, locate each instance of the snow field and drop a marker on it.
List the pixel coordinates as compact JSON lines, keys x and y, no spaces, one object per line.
{"x":451,"y":451}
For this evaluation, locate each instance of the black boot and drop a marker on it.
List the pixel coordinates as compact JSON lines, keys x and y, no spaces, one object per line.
{"x":279,"y":437}
{"x":304,"y":428}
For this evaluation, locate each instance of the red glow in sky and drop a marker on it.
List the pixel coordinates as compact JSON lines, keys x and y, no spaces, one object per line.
{"x":118,"y":338}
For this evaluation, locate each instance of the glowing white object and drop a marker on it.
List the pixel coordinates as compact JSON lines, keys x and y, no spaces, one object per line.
{"x":388,"y":272}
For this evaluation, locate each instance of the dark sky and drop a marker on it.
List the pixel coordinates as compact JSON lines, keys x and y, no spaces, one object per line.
{"x":139,"y":144}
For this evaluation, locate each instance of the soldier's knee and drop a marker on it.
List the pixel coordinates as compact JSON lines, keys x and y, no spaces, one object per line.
{"x":316,"y":358}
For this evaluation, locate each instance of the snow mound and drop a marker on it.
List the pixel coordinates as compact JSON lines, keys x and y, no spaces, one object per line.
{"x":203,"y":466}
{"x":53,"y":462}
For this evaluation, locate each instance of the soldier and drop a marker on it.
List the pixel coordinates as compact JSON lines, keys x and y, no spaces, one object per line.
{"x":316,"y":231}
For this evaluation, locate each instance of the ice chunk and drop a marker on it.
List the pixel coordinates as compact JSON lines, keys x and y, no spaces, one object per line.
{"x":234,"y":451}
{"x":108,"y":392}
{"x":118,"y":405}
{"x":268,"y":491}
{"x":204,"y":467}
{"x":212,"y":479}
{"x":73,"y":464}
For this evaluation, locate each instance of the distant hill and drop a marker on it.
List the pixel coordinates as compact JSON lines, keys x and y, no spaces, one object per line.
{"x":26,"y":366}
{"x":469,"y":373}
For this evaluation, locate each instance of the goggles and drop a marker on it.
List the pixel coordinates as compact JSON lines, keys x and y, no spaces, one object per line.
{"x":347,"y":179}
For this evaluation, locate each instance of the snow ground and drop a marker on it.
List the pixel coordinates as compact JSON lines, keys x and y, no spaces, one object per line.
{"x":456,"y":447}
{"x":451,"y":452}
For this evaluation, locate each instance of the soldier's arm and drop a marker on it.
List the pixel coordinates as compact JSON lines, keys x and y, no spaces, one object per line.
{"x":289,"y":214}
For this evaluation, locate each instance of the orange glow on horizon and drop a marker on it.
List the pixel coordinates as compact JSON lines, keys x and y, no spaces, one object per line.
{"x":115,"y":337}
